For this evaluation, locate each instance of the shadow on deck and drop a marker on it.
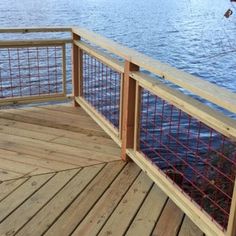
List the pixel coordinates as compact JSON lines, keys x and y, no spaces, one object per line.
{"x":62,"y":175}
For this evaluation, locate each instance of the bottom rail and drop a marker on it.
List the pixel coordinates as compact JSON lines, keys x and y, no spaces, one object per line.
{"x":33,"y":99}
{"x":101,"y":121}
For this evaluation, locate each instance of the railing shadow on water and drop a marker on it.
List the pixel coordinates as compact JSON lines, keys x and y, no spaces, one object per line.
{"x":160,"y":116}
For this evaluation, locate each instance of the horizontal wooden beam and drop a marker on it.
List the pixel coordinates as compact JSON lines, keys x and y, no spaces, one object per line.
{"x":35,"y":29}
{"x":31,"y":99}
{"x":198,"y":216}
{"x":105,"y":43}
{"x":101,"y":121}
{"x":207,"y":115}
{"x":34,"y":43}
{"x":128,"y":110}
{"x":101,"y":56}
{"x":209,"y":91}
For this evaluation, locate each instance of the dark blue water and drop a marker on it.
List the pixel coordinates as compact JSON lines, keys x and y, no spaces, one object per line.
{"x":191,"y":35}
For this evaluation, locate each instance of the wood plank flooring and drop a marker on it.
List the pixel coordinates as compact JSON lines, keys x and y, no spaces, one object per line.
{"x":60,"y":174}
{"x":103,"y":199}
{"x":45,"y":139}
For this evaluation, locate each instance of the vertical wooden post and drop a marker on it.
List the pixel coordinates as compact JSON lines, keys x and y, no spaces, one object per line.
{"x":64,"y":69}
{"x":121,"y":105}
{"x":137,"y":117}
{"x":128,"y":109}
{"x":77,"y":70}
{"x":80,"y":55}
{"x":231,"y":229}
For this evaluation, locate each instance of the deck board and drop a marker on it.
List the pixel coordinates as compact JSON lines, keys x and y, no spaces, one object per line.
{"x":170,"y":221}
{"x":81,"y":206}
{"x":19,"y":195}
{"x":45,"y":139}
{"x":65,"y":177}
{"x":6,"y":175}
{"x":128,"y":207}
{"x":40,"y":223}
{"x":149,"y":213}
{"x":48,"y":121}
{"x":104,"y":199}
{"x":97,"y":217}
{"x":9,"y":186}
{"x":32,"y":205}
{"x":189,"y":228}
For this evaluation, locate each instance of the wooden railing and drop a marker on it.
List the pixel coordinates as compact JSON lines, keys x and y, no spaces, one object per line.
{"x":186,"y":147}
{"x":33,"y":70}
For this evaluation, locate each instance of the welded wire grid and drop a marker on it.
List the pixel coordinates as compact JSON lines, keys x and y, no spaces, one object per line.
{"x":101,"y":88}
{"x":201,"y":161}
{"x":31,"y":71}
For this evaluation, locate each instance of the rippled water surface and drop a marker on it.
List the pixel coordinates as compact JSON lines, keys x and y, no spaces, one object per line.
{"x":191,"y":35}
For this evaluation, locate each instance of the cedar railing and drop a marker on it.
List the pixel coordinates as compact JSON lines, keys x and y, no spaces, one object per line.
{"x":185,"y":146}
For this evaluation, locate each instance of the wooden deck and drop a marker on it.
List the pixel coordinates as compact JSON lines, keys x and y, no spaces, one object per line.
{"x":38,"y":140}
{"x":62,"y":175}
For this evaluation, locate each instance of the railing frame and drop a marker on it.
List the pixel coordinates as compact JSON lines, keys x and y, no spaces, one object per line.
{"x":37,"y":43}
{"x":128,"y":110}
{"x":132,"y":82}
{"x":77,"y":62}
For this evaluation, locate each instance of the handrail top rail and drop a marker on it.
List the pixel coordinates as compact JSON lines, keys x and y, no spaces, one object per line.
{"x":207,"y":90}
{"x":43,"y":29}
{"x":41,"y":42}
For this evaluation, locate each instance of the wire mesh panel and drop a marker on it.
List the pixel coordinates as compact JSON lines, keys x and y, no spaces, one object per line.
{"x":201,"y":161}
{"x":31,"y":71}
{"x":101,"y":88}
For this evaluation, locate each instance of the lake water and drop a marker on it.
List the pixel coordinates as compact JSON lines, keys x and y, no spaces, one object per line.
{"x":192,"y":35}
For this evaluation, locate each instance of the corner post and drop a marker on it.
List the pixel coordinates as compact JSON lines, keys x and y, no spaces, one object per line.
{"x":77,"y":69}
{"x":231,"y":228}
{"x":128,"y":109}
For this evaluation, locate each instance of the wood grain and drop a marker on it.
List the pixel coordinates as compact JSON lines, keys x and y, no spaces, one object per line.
{"x":45,"y":139}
